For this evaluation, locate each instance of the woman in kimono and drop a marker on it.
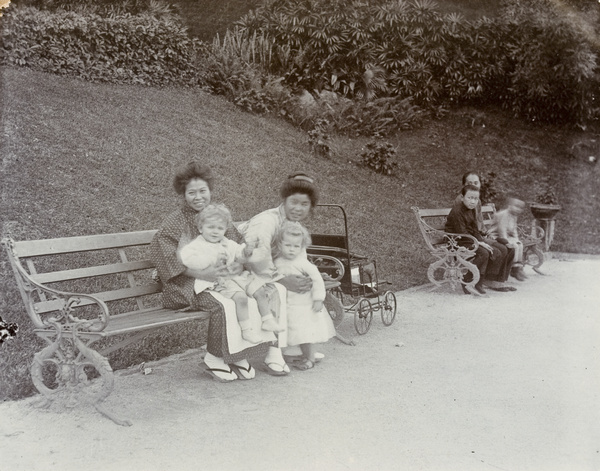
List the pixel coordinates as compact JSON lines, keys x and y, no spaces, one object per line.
{"x":227,"y":353}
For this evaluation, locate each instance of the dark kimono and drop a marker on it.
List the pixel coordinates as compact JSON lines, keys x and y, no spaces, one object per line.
{"x":494,"y":267}
{"x":178,"y":289}
{"x":463,"y":220}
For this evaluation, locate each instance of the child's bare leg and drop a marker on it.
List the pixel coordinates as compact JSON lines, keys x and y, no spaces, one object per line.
{"x":241,"y":311}
{"x":308,"y":351}
{"x":267,"y":299}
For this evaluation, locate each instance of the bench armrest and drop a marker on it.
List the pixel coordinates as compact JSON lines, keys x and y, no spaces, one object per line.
{"x":531,"y":233}
{"x":455,"y":243}
{"x":67,"y":301}
{"x":331,"y":268}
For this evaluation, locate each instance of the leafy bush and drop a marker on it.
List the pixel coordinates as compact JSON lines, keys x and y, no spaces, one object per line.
{"x":530,"y":59}
{"x":488,"y":191}
{"x":378,"y":156}
{"x":318,"y":138}
{"x":382,"y":116}
{"x":553,"y":69}
{"x":392,"y":59}
{"x":127,"y":49}
{"x":254,"y":101}
{"x":156,"y":8}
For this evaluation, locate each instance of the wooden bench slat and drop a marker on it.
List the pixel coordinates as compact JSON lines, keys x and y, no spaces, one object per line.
{"x":34,"y":248}
{"x":88,"y":272}
{"x":434,"y":212}
{"x":106,"y":296}
{"x":138,"y":320}
{"x":440,"y":212}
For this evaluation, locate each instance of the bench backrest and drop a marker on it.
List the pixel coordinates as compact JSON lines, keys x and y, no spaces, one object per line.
{"x":112,"y":267}
{"x":432,"y":223}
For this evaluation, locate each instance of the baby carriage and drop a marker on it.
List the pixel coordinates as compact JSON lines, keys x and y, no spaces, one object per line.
{"x":351,"y":279}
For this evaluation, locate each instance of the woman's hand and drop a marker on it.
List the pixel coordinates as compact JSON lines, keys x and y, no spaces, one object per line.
{"x":211,"y":273}
{"x":296,"y":283}
{"x":250,"y":247}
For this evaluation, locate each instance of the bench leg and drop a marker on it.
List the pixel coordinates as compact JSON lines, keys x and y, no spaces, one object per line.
{"x":454,"y":269}
{"x":337,"y":312}
{"x":72,"y":361}
{"x":533,"y":255}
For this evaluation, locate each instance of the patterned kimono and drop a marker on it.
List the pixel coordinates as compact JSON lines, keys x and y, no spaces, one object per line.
{"x":178,"y":229}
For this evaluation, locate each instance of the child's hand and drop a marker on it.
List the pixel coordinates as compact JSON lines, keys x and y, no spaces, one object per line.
{"x":317,"y":306}
{"x":222,"y":260}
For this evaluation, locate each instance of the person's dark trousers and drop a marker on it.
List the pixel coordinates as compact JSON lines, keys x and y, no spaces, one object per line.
{"x":508,"y":263}
{"x":481,"y":261}
{"x":500,"y":262}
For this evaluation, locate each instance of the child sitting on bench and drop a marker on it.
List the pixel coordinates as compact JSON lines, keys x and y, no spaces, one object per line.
{"x":212,"y":248}
{"x":504,"y":230}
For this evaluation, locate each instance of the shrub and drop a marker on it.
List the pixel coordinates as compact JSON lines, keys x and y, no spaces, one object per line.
{"x":382,"y":116}
{"x":378,"y":156}
{"x":488,"y":191}
{"x":552,"y":71}
{"x":255,"y":101}
{"x":108,"y":8}
{"x":318,"y":138}
{"x":129,"y":49}
{"x":531,"y":59}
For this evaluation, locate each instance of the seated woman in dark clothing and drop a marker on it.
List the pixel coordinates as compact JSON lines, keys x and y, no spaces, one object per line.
{"x":492,"y":258}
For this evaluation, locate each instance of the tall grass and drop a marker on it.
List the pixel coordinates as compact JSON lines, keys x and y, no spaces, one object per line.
{"x":257,"y":49}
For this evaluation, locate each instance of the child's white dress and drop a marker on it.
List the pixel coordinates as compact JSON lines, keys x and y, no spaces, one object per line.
{"x":305,"y":325}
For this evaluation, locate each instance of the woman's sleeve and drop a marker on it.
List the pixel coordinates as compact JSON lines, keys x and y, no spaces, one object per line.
{"x":318,"y":285}
{"x":233,"y":234}
{"x":262,"y":228}
{"x":163,"y":252}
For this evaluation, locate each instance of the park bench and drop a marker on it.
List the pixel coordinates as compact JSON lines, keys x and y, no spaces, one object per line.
{"x":452,"y":256}
{"x":80,"y":290}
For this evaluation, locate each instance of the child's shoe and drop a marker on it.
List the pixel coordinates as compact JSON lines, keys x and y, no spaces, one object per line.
{"x":271,"y":325}
{"x":251,"y":336}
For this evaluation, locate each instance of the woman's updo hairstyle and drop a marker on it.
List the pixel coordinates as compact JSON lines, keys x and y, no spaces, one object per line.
{"x":193,"y":170}
{"x":300,"y":183}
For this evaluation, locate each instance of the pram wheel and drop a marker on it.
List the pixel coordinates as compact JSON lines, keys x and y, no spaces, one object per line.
{"x":363,"y":315}
{"x":388,"y":308}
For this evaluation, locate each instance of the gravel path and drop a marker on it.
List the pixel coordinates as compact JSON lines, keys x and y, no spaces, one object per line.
{"x":507,"y":382}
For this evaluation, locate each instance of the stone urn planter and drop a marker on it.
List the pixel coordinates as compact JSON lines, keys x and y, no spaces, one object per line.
{"x":544,"y":215}
{"x":544,"y":211}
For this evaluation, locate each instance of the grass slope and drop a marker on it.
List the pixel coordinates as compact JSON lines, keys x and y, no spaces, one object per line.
{"x":81,"y":158}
